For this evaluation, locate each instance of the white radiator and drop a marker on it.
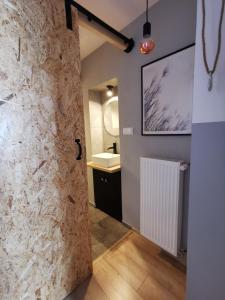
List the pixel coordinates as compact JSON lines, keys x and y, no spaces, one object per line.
{"x":161,"y":202}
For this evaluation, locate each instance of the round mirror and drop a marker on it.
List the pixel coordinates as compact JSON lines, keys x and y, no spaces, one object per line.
{"x":111,"y":116}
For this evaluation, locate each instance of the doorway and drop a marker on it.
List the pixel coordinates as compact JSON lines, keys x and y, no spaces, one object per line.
{"x":104,"y":169}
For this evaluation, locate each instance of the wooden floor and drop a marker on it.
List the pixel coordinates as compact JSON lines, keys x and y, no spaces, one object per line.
{"x":133,"y":269}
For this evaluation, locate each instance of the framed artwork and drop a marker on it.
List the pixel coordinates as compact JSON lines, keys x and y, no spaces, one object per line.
{"x":167,"y":94}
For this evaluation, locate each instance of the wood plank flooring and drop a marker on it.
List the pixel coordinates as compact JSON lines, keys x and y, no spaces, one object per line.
{"x":133,"y":269}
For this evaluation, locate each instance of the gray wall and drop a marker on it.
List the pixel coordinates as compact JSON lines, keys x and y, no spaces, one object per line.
{"x":206,"y":233}
{"x":206,"y":239}
{"x":173,"y":27}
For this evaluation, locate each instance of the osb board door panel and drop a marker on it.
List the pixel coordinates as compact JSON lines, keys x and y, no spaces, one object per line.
{"x":44,"y":235}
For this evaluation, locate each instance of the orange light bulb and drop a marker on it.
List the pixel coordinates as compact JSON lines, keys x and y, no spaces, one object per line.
{"x":146,"y":46}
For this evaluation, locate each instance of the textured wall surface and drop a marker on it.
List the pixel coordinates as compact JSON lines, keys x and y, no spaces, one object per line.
{"x":44,"y":237}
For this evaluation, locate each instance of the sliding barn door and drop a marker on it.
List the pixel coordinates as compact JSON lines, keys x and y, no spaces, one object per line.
{"x":44,"y":235}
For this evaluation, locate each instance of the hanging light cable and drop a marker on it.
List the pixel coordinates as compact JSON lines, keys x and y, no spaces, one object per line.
{"x":147,"y":44}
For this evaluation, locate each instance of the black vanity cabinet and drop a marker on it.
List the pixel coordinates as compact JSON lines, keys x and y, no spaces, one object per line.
{"x":107,"y":189}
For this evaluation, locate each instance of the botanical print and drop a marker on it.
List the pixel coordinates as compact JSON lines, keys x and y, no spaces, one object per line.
{"x":167,"y":94}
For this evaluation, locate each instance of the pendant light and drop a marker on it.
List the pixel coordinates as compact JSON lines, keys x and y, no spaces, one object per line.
{"x":109,"y":92}
{"x":147,"y":44}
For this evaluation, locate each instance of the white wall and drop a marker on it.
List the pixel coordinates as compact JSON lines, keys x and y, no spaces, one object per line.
{"x":209,"y":107}
{"x":96,"y":123}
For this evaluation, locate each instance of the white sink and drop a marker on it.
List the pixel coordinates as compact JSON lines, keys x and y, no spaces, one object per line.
{"x":106,"y":160}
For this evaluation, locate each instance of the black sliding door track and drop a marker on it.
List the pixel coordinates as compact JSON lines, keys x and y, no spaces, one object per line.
{"x":92,"y":17}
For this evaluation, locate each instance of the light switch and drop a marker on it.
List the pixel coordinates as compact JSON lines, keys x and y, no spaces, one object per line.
{"x":128,"y":131}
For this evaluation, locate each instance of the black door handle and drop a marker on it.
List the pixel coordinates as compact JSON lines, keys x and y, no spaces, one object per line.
{"x":79,"y":149}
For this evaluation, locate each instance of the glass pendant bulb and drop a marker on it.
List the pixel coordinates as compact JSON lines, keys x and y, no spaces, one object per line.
{"x":147,"y":44}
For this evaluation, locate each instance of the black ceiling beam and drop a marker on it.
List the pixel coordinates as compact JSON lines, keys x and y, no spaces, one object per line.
{"x":91,"y":17}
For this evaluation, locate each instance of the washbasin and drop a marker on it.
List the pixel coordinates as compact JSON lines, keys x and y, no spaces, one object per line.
{"x":106,"y":159}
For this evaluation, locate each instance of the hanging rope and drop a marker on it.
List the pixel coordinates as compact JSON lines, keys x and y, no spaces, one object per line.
{"x":208,"y":70}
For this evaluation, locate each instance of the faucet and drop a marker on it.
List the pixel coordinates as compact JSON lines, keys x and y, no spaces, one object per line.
{"x":114,"y":148}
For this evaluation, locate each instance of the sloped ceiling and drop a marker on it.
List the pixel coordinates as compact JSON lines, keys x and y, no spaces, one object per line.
{"x":117,"y":13}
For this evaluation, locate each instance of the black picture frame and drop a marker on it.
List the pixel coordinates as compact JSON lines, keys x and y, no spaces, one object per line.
{"x":142,"y":96}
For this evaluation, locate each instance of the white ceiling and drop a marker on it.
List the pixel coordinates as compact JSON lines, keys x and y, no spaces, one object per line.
{"x":102,"y":86}
{"x":117,"y":13}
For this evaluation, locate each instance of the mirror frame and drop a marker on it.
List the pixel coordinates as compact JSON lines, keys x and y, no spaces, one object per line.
{"x":112,"y":99}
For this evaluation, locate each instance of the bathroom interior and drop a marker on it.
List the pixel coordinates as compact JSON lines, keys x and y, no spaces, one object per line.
{"x":104,"y":170}
{"x":112,"y":121}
